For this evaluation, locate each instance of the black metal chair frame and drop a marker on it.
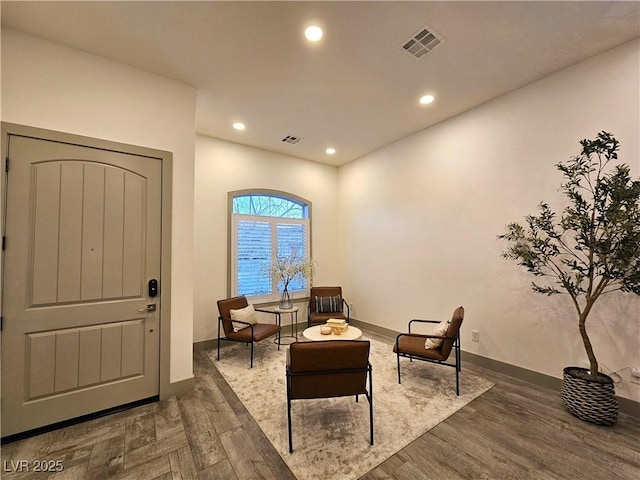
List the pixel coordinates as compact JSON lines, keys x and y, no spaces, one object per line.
{"x":368,"y":395}
{"x":249,"y":326}
{"x":456,"y":350}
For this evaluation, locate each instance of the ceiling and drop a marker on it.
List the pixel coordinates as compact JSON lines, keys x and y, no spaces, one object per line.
{"x":356,"y":89}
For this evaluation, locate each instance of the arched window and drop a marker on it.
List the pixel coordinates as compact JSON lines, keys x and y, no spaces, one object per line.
{"x":266,"y":225}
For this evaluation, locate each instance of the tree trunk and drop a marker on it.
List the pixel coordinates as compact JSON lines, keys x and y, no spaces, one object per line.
{"x":593,"y":363}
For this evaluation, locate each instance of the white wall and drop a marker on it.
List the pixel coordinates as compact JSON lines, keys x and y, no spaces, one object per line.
{"x":49,"y":86}
{"x":223,"y":167}
{"x":419,"y":219}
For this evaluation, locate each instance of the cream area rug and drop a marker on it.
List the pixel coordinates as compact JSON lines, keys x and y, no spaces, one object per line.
{"x":331,"y":436}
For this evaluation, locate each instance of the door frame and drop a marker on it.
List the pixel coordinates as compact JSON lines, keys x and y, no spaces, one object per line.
{"x":166,"y":158}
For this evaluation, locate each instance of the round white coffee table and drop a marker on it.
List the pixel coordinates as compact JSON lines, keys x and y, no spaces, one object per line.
{"x":313,"y":334}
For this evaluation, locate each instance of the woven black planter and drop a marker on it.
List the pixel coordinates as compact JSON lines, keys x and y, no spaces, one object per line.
{"x":590,"y":400}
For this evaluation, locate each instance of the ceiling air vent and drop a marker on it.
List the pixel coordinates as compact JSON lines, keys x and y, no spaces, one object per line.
{"x":291,"y":139}
{"x":423,"y":41}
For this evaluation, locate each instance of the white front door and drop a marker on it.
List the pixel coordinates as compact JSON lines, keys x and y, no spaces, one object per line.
{"x":83,"y":237}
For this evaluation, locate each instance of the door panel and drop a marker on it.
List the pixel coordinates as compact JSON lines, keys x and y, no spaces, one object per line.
{"x":70,"y":255}
{"x":81,"y":256}
{"x":69,"y":359}
{"x":83,"y":239}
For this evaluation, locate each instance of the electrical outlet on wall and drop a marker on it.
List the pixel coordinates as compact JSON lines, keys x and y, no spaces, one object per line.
{"x":635,"y":375}
{"x":475,"y":335}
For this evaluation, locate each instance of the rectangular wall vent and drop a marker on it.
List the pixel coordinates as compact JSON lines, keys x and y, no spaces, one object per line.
{"x":291,"y":139}
{"x":422,"y":42}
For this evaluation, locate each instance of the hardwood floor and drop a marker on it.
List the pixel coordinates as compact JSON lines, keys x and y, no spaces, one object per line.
{"x":514,"y":431}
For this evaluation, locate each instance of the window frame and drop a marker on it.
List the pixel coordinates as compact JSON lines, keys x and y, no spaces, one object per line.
{"x":232,"y":219}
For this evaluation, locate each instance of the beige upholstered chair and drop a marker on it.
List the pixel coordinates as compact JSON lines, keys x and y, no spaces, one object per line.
{"x":326,"y":303}
{"x":412,"y":345}
{"x":333,"y":368}
{"x":248,"y":332}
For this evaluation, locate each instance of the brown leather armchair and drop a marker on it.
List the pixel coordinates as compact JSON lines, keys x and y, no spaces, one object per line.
{"x":332,"y":368}
{"x":251,"y":333}
{"x":412,"y":345}
{"x":326,"y":303}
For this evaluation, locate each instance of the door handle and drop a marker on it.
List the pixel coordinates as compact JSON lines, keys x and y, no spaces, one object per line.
{"x":149,"y":308}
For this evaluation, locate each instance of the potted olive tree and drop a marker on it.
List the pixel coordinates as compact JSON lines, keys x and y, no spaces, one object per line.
{"x":591,"y":249}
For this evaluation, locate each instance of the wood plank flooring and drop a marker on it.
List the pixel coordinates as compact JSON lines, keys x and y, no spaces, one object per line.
{"x":514,"y":431}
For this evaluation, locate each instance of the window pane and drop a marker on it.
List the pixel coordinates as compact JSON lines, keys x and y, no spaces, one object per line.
{"x":291,"y":238}
{"x":264,"y":227}
{"x":268,"y":206}
{"x":241,"y":205}
{"x":254,"y":257}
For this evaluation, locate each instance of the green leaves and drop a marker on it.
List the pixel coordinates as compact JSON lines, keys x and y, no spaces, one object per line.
{"x":603,"y":144}
{"x":597,"y":236}
{"x":593,"y":247}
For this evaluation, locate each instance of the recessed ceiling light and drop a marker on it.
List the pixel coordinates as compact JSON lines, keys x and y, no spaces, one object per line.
{"x":313,"y":33}
{"x":330,"y":151}
{"x":238,"y":126}
{"x":426,"y":99}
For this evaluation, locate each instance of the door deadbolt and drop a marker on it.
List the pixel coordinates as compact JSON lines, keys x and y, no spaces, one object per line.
{"x":153,"y":287}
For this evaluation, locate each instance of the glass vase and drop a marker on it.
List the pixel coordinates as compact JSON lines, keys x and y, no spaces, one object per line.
{"x":285,"y":299}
